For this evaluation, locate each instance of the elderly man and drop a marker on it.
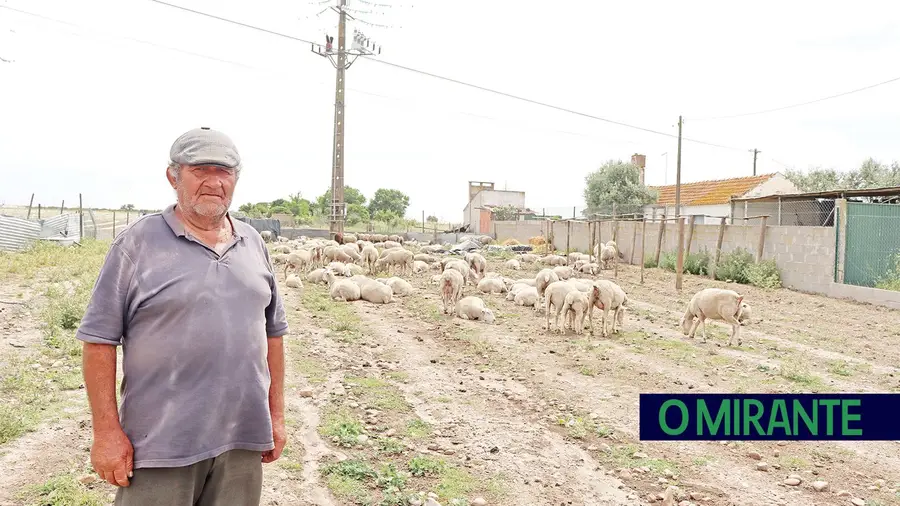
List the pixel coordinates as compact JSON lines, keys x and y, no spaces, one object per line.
{"x":190,"y":295}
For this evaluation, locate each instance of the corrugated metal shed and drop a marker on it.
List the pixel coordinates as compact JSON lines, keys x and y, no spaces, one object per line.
{"x":16,"y":233}
{"x":61,"y":226}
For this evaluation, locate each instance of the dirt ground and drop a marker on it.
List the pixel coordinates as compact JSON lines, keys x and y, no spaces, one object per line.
{"x":391,"y":401}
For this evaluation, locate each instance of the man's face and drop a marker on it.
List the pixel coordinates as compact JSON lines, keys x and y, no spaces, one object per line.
{"x":205,"y":189}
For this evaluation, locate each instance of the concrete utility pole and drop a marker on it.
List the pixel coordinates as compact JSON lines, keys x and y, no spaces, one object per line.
{"x":342,"y":59}
{"x":679,"y":266}
{"x":755,"y":152}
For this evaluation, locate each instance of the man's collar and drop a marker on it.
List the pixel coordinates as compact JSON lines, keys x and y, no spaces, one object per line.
{"x":178,"y":227}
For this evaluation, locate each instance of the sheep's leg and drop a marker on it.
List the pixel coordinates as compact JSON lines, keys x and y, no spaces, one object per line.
{"x":694,"y":324}
{"x":590,"y":317}
{"x":735,"y":328}
{"x":702,"y":321}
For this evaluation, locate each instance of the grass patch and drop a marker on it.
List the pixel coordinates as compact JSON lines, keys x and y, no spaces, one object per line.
{"x":623,"y":456}
{"x":418,"y":429}
{"x":341,"y":427}
{"x":426,"y":466}
{"x":379,"y":394}
{"x":390,"y":446}
{"x":63,"y":490}
{"x":801,"y":377}
{"x":340,"y":317}
{"x":580,"y":427}
{"x":311,"y":369}
{"x":425,"y":309}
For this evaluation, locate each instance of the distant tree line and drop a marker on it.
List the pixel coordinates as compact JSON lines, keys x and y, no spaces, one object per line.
{"x":386,"y":206}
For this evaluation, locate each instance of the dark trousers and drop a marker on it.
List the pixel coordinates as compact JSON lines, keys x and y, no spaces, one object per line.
{"x":234,"y":478}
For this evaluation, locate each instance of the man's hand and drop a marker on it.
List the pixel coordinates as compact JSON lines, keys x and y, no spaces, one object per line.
{"x":279,"y":434}
{"x":113,"y":456}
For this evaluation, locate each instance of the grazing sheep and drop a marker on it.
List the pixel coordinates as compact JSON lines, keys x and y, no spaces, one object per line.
{"x":294,"y":281}
{"x":400,"y":258}
{"x":369,"y":256}
{"x":564,"y":272}
{"x":527,"y":296}
{"x":279,"y":259}
{"x":555,"y":296}
{"x":435,"y":279}
{"x":716,"y":304}
{"x":543,"y":279}
{"x":608,"y":297}
{"x":575,"y":306}
{"x":335,"y":254}
{"x":297,"y":260}
{"x":282,"y":248}
{"x":513,"y":264}
{"x":353,"y":269}
{"x":342,"y":290}
{"x":425,"y":257}
{"x":477,"y":263}
{"x":463,"y":268}
{"x":267,"y":235}
{"x":352,"y":250}
{"x":451,"y":285}
{"x":419,"y":267}
{"x":528,"y":258}
{"x":492,"y":285}
{"x":385,"y":251}
{"x":391,"y":244}
{"x":339,"y":268}
{"x":399,"y":286}
{"x":316,"y":277}
{"x":473,"y":308}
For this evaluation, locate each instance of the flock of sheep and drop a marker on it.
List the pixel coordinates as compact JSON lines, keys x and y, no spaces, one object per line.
{"x":565,"y":287}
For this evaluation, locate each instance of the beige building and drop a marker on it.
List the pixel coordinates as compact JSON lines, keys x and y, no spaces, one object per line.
{"x":482,"y":196}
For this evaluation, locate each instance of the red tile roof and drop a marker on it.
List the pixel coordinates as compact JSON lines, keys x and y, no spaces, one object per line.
{"x":710,"y":192}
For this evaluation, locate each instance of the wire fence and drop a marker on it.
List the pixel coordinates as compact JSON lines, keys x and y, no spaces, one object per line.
{"x":806,"y":212}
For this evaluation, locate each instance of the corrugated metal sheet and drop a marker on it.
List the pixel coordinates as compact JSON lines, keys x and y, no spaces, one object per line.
{"x":63,"y":225}
{"x":16,"y":233}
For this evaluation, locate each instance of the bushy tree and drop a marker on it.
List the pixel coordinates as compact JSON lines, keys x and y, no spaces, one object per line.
{"x":616,"y":182}
{"x":388,"y":200}
{"x":351,"y":196}
{"x":431,"y":219}
{"x":506,"y":213}
{"x":870,"y":174}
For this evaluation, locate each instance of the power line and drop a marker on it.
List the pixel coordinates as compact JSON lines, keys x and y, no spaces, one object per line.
{"x":462,"y":83}
{"x":864,"y":88}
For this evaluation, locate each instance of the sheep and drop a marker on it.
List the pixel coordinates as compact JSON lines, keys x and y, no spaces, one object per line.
{"x":348,"y":238}
{"x":516,"y":288}
{"x":543,"y":279}
{"x":267,"y":235}
{"x":528,"y":258}
{"x":352,"y":250}
{"x":419,"y":267}
{"x":316,"y":277}
{"x":385,"y":251}
{"x":555,"y":296}
{"x":554,"y":260}
{"x":294,"y":281}
{"x":607,"y":296}
{"x":477,"y":263}
{"x":395,"y":238}
{"x":369,"y":256}
{"x":279,"y":258}
{"x":575,"y":306}
{"x":451,"y":285}
{"x":339,"y":268}
{"x":391,"y":244}
{"x":587,"y":268}
{"x":282,"y":248}
{"x":473,"y":308}
{"x":297,"y":260}
{"x":353,"y":269}
{"x":401,"y":258}
{"x":373,"y":291}
{"x":582,"y":285}
{"x":342,"y":290}
{"x":607,"y":253}
{"x":513,"y":264}
{"x":334,"y":253}
{"x":463,"y":269}
{"x":576,"y":257}
{"x":433,"y":248}
{"x":527,"y":296}
{"x":716,"y":304}
{"x":425,"y":257}
{"x":492,"y":285}
{"x":528,"y":281}
{"x":492,"y":275}
{"x":563,"y":272}
{"x":435,"y":279}
{"x":399,"y":286}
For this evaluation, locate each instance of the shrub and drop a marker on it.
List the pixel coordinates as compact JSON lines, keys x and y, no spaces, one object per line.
{"x":733,"y":266}
{"x":695,"y":263}
{"x":764,"y":274}
{"x":650,"y":262}
{"x":891,"y":279}
{"x":668,"y":260}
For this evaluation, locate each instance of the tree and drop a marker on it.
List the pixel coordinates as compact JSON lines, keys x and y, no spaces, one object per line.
{"x":506,"y":213}
{"x":616,"y":182}
{"x":393,"y":201}
{"x":357,"y":213}
{"x":127,"y":207}
{"x":431,"y":219}
{"x":386,"y":216}
{"x":351,"y":196}
{"x":870,"y":174}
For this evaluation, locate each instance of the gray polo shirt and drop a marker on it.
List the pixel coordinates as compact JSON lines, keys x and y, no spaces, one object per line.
{"x":193,"y":325}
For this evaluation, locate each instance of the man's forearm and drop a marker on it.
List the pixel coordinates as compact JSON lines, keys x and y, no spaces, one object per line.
{"x":99,"y":366}
{"x":275,"y":359}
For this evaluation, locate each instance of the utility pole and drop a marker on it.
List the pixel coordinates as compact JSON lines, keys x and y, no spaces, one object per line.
{"x":342,"y":58}
{"x":679,"y":266}
{"x":755,"y":152}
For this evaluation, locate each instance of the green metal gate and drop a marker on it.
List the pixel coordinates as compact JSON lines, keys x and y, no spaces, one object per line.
{"x":872,"y":243}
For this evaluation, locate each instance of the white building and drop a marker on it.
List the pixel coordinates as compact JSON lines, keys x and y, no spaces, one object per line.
{"x":477,"y":214}
{"x":714,"y":198}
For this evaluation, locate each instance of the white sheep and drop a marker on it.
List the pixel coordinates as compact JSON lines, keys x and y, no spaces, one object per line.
{"x":513,"y":264}
{"x":294,"y":281}
{"x":576,"y":257}
{"x":451,"y":286}
{"x":574,"y":308}
{"x":492,"y":285}
{"x":528,"y":258}
{"x":419,"y":267}
{"x":282,"y":248}
{"x":516,"y":288}
{"x":608,"y":297}
{"x":554,"y":260}
{"x":527,"y":281}
{"x":716,"y":304}
{"x":339,"y":268}
{"x":564,"y":272}
{"x":425,"y":257}
{"x":477,"y":263}
{"x":463,"y":268}
{"x":527,"y":296}
{"x":555,"y":296}
{"x":342,"y":290}
{"x":353,"y":269}
{"x":316,"y":276}
{"x":298,"y":260}
{"x":473,"y":308}
{"x":400,"y":258}
{"x":543,"y":279}
{"x":399,"y":286}
{"x":334,"y":253}
{"x":391,"y":244}
{"x":368,"y":257}
{"x":435,"y":279}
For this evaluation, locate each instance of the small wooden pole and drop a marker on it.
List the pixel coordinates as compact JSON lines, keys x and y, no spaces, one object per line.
{"x":615,"y":230}
{"x":568,"y":234}
{"x":62,"y":206}
{"x":690,"y":237}
{"x":659,"y":238}
{"x":643,"y":246}
{"x":633,"y":241}
{"x":762,"y":240}
{"x":30,"y":202}
{"x":127,"y":217}
{"x":39,"y":211}
{"x":712,"y":272}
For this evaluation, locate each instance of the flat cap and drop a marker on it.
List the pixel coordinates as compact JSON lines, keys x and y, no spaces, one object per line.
{"x":203,"y":146}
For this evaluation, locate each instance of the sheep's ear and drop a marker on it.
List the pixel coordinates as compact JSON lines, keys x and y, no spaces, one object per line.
{"x":740,"y":299}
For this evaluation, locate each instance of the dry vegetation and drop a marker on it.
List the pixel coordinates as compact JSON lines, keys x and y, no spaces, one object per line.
{"x":387,"y":401}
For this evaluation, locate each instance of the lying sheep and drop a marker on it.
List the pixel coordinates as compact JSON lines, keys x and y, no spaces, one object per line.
{"x":576,"y":257}
{"x":353,"y":269}
{"x":451,"y":286}
{"x":554,"y":260}
{"x":608,"y":297}
{"x":716,"y":304}
{"x":316,"y":276}
{"x":473,"y":308}
{"x":564,"y":272}
{"x":587,"y":268}
{"x":339,"y":268}
{"x":419,"y":267}
{"x":574,"y":308}
{"x":516,"y":288}
{"x":425,"y":257}
{"x":492,"y":285}
{"x":527,"y":296}
{"x":543,"y":279}
{"x":513,"y":264}
{"x":373,"y":291}
{"x":399,"y":286}
{"x":528,"y":281}
{"x":528,"y":258}
{"x":342,"y":290}
{"x":293,"y":281}
{"x":282,"y":248}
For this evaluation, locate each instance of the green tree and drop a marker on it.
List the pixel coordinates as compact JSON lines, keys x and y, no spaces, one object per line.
{"x":385,"y":216}
{"x":393,"y":201}
{"x":506,"y":213}
{"x":870,"y":174}
{"x":431,"y":219}
{"x":357,"y":213}
{"x":616,"y":182}
{"x":127,"y":207}
{"x":351,"y":196}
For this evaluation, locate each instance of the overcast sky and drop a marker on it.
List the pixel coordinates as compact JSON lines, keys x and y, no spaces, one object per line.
{"x":86,"y":110}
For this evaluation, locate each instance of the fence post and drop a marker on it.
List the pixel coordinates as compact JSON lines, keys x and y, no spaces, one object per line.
{"x":568,"y":235}
{"x":423,"y":222}
{"x":114,"y":224}
{"x":840,"y":253}
{"x":127,"y":217}
{"x":30,"y":202}
{"x":80,"y":219}
{"x":687,"y":249}
{"x":712,"y":271}
{"x":633,"y":241}
{"x":62,"y":206}
{"x":615,"y":230}
{"x":659,"y":238}
{"x":762,"y":240}
{"x":39,"y":211}
{"x":643,"y":246}
{"x":779,"y":210}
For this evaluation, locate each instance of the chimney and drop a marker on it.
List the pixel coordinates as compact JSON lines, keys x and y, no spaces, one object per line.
{"x":641,"y":162}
